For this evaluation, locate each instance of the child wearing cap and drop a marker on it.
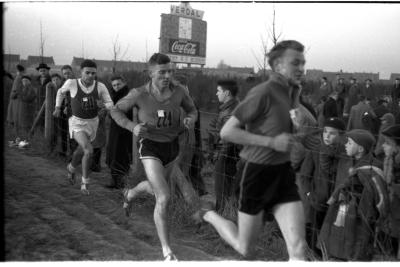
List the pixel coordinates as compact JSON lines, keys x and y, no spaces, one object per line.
{"x":317,"y":176}
{"x":391,"y":171}
{"x":357,"y":205}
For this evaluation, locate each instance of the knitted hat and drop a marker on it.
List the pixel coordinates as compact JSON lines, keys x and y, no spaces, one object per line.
{"x":336,"y":123}
{"x":363,"y":138}
{"x":389,"y":117}
{"x":393,"y":132}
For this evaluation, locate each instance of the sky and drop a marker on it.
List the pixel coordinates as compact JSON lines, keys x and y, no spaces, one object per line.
{"x":352,"y":37}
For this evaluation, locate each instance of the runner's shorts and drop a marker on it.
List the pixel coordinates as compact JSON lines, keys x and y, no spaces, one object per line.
{"x":89,"y":126}
{"x":166,"y":152}
{"x":264,"y":186}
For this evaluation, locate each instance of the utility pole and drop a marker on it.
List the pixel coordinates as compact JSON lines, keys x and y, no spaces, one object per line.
{"x":41,"y":43}
{"x":83,"y":49}
{"x":147,"y":58}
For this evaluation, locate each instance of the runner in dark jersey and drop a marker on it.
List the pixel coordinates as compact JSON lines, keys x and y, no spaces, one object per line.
{"x":267,"y":182}
{"x":159,"y":109}
{"x":86,"y":95}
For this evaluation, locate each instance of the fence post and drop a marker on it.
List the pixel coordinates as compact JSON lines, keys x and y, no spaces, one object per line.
{"x":36,"y":120}
{"x":48,"y":119}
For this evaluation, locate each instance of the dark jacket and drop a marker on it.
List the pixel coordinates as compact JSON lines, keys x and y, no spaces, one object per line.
{"x":26,"y":107}
{"x":12,"y":111}
{"x":352,"y":97}
{"x":356,"y":115}
{"x":119,"y":148}
{"x":369,"y":92}
{"x":355,"y":207}
{"x":41,"y":90}
{"x":330,"y":108}
{"x":225,"y":112}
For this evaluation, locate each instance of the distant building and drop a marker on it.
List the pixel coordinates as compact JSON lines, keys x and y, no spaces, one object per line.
{"x":393,"y":76}
{"x":107,"y":65}
{"x":315,"y":74}
{"x":34,"y":61}
{"x":229,"y":72}
{"x":10,"y":61}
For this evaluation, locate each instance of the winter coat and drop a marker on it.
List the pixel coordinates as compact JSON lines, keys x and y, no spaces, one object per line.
{"x":391,"y":172}
{"x":101,"y":135}
{"x":352,"y":97}
{"x":225,"y":112}
{"x":119,"y":146}
{"x":12,"y":110}
{"x":330,"y":108}
{"x":41,"y":90}
{"x":356,"y":115}
{"x":26,"y":107}
{"x":369,"y":92}
{"x":355,"y":207}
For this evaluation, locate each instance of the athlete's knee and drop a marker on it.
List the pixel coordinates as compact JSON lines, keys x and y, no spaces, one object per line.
{"x":88,"y":150}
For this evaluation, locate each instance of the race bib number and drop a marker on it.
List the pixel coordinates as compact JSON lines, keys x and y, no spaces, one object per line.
{"x":164,"y":119}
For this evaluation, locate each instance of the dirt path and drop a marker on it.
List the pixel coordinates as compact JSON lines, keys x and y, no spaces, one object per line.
{"x":48,"y":219}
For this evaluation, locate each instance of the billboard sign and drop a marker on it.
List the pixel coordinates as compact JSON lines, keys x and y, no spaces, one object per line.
{"x":187,"y":11}
{"x":183,"y":47}
{"x":187,"y":59}
{"x":183,"y":34}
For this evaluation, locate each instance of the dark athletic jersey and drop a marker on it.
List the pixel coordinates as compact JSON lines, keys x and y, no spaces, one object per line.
{"x":163,"y":119}
{"x":84,"y":105}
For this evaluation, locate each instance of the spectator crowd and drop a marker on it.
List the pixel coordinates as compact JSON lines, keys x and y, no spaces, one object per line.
{"x":346,"y":154}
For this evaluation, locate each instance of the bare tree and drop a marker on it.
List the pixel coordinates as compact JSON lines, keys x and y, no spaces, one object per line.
{"x":83,"y":49}
{"x":42,"y":43}
{"x":117,"y":55}
{"x":272,"y":32}
{"x":272,"y":36}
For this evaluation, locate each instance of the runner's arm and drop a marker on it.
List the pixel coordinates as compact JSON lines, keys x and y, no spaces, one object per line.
{"x":232,"y":132}
{"x":189,"y":107}
{"x":124,"y":105}
{"x":62,"y":91}
{"x":105,"y":96}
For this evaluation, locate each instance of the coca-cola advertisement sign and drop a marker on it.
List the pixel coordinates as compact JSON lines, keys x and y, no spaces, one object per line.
{"x":184,"y":47}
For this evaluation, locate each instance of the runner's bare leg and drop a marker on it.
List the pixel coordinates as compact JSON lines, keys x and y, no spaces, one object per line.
{"x":290,"y":218}
{"x":241,"y":238}
{"x":155,"y":173}
{"x":84,"y":142}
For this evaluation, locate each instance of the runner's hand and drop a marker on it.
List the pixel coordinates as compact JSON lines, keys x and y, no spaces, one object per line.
{"x":57,"y":112}
{"x":139,"y":129}
{"x":282,"y":142}
{"x":188,"y":122}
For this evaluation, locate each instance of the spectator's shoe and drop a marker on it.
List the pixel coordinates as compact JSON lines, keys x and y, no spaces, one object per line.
{"x":170,"y":257}
{"x":127,"y":204}
{"x":11,"y":144}
{"x":71,"y":176}
{"x":85,"y":189}
{"x":198,"y":215}
{"x":23,"y":144}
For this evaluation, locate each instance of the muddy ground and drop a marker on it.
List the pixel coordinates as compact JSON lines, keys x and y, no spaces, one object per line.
{"x":48,"y":219}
